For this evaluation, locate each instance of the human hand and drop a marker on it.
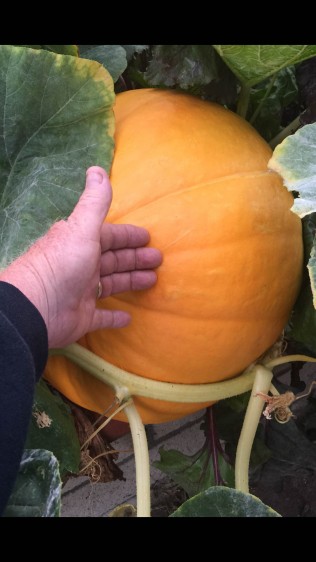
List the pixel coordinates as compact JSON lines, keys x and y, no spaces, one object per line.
{"x":60,"y":272}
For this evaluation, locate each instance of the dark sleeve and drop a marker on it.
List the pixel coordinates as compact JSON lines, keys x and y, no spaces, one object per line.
{"x":23,"y":355}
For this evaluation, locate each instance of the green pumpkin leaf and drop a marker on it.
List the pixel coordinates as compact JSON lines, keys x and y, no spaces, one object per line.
{"x":56,"y":120}
{"x":181,"y":65}
{"x":295,"y":160}
{"x":301,"y":329}
{"x":60,"y":49}
{"x":52,"y":427}
{"x":37,"y":490}
{"x":113,"y":57}
{"x":193,"y":473}
{"x":254,"y":63}
{"x":219,"y":501}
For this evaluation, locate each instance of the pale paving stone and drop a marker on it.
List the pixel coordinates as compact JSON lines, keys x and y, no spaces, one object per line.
{"x":80,"y":498}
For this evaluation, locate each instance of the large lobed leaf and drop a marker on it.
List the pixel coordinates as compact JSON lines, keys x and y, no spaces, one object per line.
{"x":56,"y":120}
{"x":219,"y":501}
{"x":37,"y":491}
{"x":295,"y":160}
{"x":60,"y":49}
{"x":254,"y":63}
{"x":301,"y":329}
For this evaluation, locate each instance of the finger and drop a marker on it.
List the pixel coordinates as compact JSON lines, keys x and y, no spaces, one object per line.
{"x":129,"y":260}
{"x":94,"y":203}
{"x":103,"y":319}
{"x":129,"y":281}
{"x":117,"y":236}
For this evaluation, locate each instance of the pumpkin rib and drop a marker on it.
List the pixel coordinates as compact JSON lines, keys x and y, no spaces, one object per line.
{"x":164,"y":312}
{"x":222,"y":243}
{"x":210,"y":183}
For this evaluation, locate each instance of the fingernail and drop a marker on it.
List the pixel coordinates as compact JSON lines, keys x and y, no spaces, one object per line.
{"x":95,"y":176}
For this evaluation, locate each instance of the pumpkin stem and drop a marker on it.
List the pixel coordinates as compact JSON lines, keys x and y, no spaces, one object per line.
{"x":289,"y":359}
{"x":141,"y":459}
{"x":262,"y":383}
{"x":127,"y":384}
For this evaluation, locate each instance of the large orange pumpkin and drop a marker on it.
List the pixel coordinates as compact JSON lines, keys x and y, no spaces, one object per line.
{"x":195,"y":175}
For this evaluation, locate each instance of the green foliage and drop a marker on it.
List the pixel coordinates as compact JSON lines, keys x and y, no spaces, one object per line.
{"x":269,"y":99}
{"x":294,"y":160}
{"x":181,"y":65}
{"x":58,"y":435}
{"x":301,"y":328}
{"x":60,"y":49}
{"x":56,"y":120}
{"x":291,"y":449}
{"x":254,"y":63}
{"x":112,"y":57}
{"x":37,"y":489}
{"x":132,"y":50}
{"x":194,"y":473}
{"x":224,"y":502}
{"x":196,"y":69}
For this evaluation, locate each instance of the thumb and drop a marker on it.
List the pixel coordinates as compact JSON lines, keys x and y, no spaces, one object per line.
{"x":94,"y":203}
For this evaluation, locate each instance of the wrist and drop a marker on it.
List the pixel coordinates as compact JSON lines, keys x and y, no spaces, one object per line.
{"x":25,"y":277}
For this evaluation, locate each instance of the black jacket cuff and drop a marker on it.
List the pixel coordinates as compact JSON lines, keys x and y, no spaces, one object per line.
{"x":28,"y":321}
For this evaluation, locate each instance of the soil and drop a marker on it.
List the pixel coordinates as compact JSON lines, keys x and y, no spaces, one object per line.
{"x":166,"y":497}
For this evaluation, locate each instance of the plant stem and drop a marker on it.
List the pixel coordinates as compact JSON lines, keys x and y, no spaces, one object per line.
{"x":243,"y":101}
{"x":127,"y":384}
{"x":259,"y":106}
{"x":262,"y":383}
{"x":105,"y":423}
{"x":211,"y":433}
{"x":291,"y":128}
{"x":122,"y":81}
{"x":289,"y":359}
{"x":307,"y":393}
{"x":141,"y":460}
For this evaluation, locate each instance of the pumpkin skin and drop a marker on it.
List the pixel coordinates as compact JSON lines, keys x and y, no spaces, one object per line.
{"x":195,"y":175}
